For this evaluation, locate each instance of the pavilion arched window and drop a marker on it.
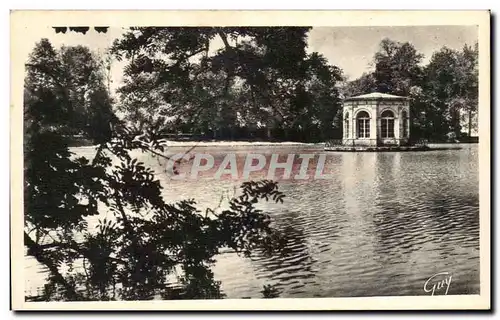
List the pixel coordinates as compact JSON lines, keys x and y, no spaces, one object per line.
{"x":387,"y":124}
{"x":405,"y":124}
{"x":363,"y":121}
{"x":346,"y":125}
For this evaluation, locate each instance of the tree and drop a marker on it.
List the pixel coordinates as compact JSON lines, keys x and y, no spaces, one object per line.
{"x":132,"y":255}
{"x":397,"y":67}
{"x":72,"y":74}
{"x":55,"y":185}
{"x":467,"y":79}
{"x":257,"y":78}
{"x":443,"y":91}
{"x":322,"y":98}
{"x":366,"y":83}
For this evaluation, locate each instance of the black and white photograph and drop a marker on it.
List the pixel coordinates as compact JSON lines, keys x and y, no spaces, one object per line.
{"x":259,"y":160}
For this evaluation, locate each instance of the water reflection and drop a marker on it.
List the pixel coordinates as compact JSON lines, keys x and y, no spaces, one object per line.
{"x":388,"y":220}
{"x":290,"y":269}
{"x":381,"y":225}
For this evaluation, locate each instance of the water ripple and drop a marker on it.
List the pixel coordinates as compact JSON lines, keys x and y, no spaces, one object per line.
{"x":381,"y":226}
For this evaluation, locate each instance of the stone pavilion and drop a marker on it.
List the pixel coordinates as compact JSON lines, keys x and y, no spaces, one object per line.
{"x":376,"y":119}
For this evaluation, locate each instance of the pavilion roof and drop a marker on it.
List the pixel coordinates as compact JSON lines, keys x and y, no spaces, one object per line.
{"x":377,"y":96}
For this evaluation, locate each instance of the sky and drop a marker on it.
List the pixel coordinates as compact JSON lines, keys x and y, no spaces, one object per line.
{"x":350,"y":48}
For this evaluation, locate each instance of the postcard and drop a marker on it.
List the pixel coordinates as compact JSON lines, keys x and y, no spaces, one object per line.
{"x":250,"y":160}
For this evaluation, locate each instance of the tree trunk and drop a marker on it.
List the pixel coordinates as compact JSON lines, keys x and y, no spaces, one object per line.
{"x":470,"y":122}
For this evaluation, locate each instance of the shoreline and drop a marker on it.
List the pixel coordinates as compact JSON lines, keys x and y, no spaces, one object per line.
{"x":204,"y":144}
{"x":238,"y":143}
{"x":207,"y":144}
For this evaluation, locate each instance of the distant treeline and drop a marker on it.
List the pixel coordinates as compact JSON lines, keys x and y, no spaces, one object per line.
{"x":307,"y":106}
{"x":443,"y":93}
{"x":258,"y":134}
{"x":262,"y":84}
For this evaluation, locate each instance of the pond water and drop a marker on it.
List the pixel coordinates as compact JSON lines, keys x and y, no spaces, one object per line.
{"x":381,"y":224}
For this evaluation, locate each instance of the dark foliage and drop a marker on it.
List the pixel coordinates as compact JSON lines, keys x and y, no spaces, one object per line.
{"x":259,"y":84}
{"x":148,"y":248}
{"x":82,"y":30}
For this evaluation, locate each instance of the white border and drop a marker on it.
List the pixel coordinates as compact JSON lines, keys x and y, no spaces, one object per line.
{"x":22,"y":21}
